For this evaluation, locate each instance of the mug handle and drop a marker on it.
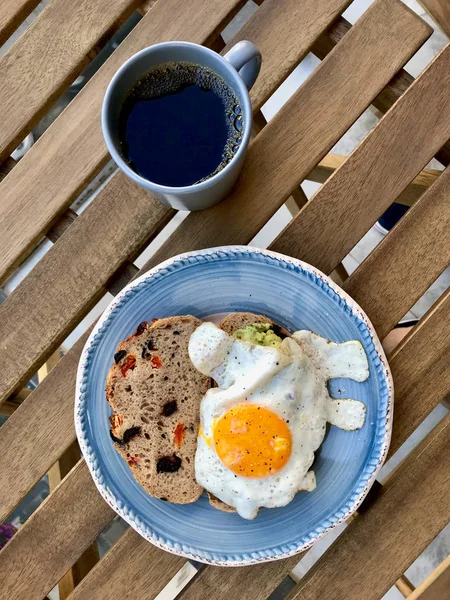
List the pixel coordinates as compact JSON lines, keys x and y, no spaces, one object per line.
{"x":246,"y":59}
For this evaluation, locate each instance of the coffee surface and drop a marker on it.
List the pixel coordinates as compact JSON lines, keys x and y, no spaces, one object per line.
{"x":180,"y":124}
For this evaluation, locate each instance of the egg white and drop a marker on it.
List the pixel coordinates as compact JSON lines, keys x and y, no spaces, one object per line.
{"x":290,"y":380}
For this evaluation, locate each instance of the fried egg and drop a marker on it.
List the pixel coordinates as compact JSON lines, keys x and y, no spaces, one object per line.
{"x":259,"y":428}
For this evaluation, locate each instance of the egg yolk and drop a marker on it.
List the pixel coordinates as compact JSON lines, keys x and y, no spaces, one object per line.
{"x":252,"y":441}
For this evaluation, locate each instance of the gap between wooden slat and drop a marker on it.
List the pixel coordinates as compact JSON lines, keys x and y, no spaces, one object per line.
{"x":34,"y":73}
{"x":413,"y":508}
{"x":372,"y":177}
{"x":70,"y":153}
{"x":393,"y":90}
{"x":404,"y":586}
{"x":436,"y":585}
{"x":78,"y":268}
{"x":12,"y":14}
{"x":410,"y":194}
{"x":407,"y":261}
{"x":439,"y":10}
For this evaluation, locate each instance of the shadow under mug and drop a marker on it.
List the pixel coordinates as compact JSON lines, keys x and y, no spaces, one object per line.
{"x":239,"y":68}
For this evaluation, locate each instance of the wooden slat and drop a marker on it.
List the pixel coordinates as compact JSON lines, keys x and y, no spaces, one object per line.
{"x":440,"y":12}
{"x":72,"y":275}
{"x":402,"y":267}
{"x":436,"y":586}
{"x":53,"y":537}
{"x":61,"y":225}
{"x":48,"y":57}
{"x":90,"y":556}
{"x":410,"y":194}
{"x":56,"y":169}
{"x":132,"y":568}
{"x":284,"y":34}
{"x":121,"y":277}
{"x":12,"y":13}
{"x":38,"y":432}
{"x":305,"y":128}
{"x":368,"y":558}
{"x":389,"y":157}
{"x":66,"y":283}
{"x":404,"y":586}
{"x":420,"y":367}
{"x":246,"y":583}
{"x":393,"y":90}
{"x":56,"y":474}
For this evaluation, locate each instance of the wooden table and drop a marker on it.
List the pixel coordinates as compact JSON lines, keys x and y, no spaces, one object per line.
{"x":93,"y":253}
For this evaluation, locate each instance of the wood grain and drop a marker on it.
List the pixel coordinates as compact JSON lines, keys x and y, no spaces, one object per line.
{"x":436,"y":586}
{"x":420,"y":368}
{"x":302,"y":132}
{"x":69,"y":280}
{"x":77,"y":268}
{"x":48,"y":57}
{"x":132,"y":569}
{"x":393,"y":90}
{"x":12,"y":13}
{"x":56,"y":169}
{"x":439,"y":10}
{"x":404,"y":586}
{"x":246,"y":583}
{"x":56,"y":474}
{"x":408,"y":196}
{"x":284,"y":41}
{"x":34,"y":449}
{"x":121,"y":277}
{"x":402,"y":267}
{"x":90,"y":556}
{"x":55,"y":535}
{"x":376,"y":172}
{"x":367,"y":558}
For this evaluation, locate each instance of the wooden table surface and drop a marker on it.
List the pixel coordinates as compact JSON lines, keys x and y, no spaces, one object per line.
{"x":93,"y":253}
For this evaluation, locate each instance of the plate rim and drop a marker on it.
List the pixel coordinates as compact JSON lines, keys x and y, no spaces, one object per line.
{"x":135,"y":522}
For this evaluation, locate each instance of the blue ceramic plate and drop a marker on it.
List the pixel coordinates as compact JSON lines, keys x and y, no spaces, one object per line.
{"x":296,"y":296}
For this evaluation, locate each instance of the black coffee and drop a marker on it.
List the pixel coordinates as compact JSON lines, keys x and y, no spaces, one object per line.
{"x":180,"y":124}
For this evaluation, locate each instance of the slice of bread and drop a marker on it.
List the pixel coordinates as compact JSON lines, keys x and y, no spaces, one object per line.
{"x":230,"y":325}
{"x":155,"y":393}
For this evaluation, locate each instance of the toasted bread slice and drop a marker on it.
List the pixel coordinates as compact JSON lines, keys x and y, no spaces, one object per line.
{"x":230,"y":324}
{"x":155,"y":393}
